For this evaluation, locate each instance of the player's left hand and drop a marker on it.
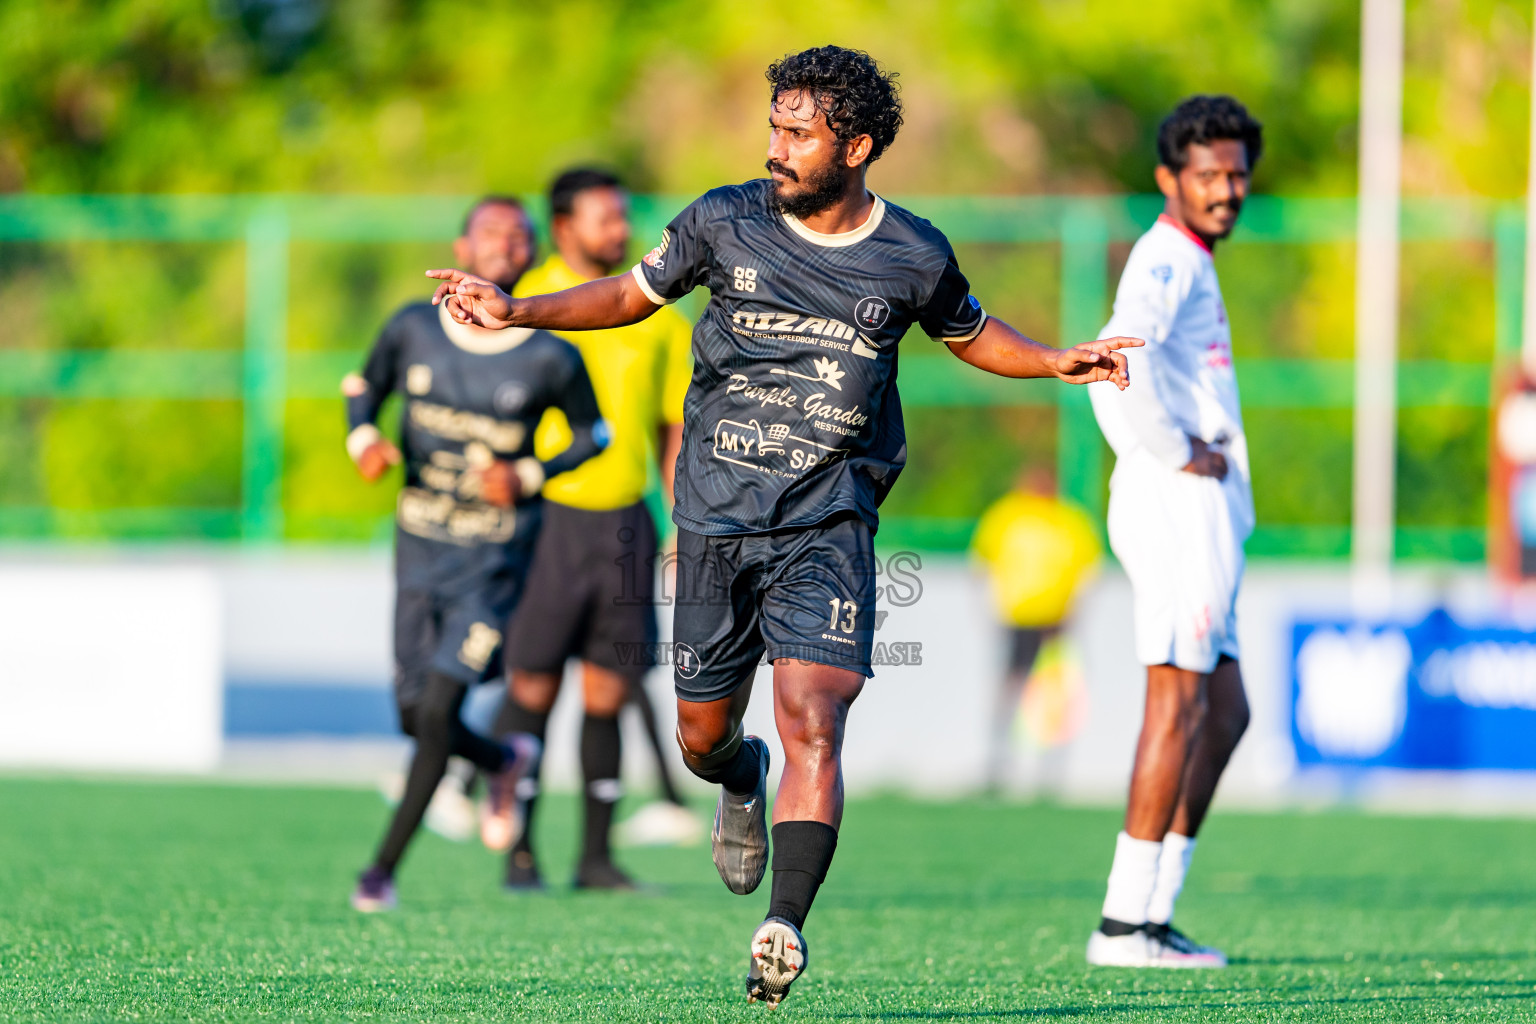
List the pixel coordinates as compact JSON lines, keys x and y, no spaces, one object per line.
{"x":500,"y":485}
{"x":1096,"y":360}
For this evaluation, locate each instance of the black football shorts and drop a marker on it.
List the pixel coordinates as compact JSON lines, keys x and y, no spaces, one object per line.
{"x":805,"y":594}
{"x":451,"y":608}
{"x":591,"y":593}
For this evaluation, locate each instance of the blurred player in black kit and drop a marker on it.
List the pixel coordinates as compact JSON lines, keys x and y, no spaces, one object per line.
{"x":591,"y":578}
{"x":792,"y":437}
{"x":469,"y":512}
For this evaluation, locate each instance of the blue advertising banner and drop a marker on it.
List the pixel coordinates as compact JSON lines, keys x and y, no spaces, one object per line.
{"x":1434,"y":695}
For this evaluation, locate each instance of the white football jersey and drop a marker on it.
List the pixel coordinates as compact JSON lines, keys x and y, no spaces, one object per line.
{"x":1182,"y":382}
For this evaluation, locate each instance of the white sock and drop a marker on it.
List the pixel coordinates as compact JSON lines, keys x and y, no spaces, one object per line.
{"x":1131,"y":879}
{"x":1172,"y":866}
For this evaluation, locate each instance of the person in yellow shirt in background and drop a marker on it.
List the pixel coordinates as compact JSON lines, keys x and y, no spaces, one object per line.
{"x":1039,"y":550}
{"x":590,"y":587}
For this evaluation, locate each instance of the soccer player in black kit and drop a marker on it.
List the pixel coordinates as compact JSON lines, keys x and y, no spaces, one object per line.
{"x":792,"y":436}
{"x":469,"y":511}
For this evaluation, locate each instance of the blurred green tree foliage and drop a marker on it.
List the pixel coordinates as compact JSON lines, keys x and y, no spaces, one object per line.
{"x":425,"y":96}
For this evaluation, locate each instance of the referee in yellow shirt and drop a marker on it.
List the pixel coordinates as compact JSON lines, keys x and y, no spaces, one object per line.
{"x":1039,"y":550}
{"x":590,"y":590}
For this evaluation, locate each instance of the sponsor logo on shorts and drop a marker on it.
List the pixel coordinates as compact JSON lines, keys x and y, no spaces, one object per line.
{"x":685,"y":661}
{"x":479,"y":645}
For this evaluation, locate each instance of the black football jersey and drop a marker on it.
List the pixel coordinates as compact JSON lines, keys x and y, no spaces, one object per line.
{"x":793,"y":414}
{"x":467,"y":403}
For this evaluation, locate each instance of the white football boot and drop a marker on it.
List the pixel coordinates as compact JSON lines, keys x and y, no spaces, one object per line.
{"x":1134,"y":949}
{"x":779,"y":957}
{"x":1177,"y":950}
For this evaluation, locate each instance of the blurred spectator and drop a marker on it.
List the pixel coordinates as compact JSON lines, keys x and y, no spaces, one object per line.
{"x":1038,"y":550}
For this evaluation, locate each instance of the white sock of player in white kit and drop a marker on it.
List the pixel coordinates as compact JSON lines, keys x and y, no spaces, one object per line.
{"x":1172,"y":866}
{"x":1131,"y":879}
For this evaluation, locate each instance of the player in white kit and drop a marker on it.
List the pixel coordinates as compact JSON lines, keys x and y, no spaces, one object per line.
{"x":1180,"y":508}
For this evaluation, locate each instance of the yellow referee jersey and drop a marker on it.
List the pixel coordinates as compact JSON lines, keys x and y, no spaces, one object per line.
{"x":640,"y":374}
{"x":1039,"y":551}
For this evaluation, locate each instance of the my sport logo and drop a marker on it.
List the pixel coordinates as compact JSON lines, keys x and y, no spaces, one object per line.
{"x":760,"y":447}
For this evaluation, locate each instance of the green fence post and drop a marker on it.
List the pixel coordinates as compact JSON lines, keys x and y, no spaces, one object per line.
{"x":264,"y":372}
{"x":1084,"y":268}
{"x":1508,"y":280}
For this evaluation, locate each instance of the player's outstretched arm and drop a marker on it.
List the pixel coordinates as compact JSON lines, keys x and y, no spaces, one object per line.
{"x":1004,"y":351}
{"x":609,"y":302}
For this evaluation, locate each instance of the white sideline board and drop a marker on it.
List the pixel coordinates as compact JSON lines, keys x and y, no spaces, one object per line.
{"x":110,"y":668}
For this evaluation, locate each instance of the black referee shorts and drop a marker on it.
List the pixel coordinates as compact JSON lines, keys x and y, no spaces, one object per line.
{"x":591,"y":593}
{"x":806,"y":594}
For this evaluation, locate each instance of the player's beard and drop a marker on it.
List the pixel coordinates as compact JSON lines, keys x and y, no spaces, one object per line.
{"x":818,"y":192}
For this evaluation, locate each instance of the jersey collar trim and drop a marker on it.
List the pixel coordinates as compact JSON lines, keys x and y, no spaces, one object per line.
{"x":480,"y":341}
{"x":842,"y":238}
{"x":1163,"y":218}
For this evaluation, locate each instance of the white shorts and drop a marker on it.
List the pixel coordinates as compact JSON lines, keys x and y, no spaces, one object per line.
{"x":1178,"y":539}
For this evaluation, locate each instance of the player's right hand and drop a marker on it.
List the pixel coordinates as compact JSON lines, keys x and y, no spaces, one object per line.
{"x":376,"y":459}
{"x":1205,"y":460}
{"x":471,"y":299}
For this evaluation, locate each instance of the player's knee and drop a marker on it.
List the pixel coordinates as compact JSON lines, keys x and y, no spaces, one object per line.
{"x":815,"y":733}
{"x":1233,"y":720}
{"x":706,"y":745}
{"x":605,"y":693}
{"x":534,"y":691}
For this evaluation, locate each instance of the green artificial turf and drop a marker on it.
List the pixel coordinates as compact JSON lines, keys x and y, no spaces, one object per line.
{"x":155,"y":901}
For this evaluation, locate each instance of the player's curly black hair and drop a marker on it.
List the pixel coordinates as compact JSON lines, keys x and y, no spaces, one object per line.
{"x":852,"y":91}
{"x":1201,"y":120}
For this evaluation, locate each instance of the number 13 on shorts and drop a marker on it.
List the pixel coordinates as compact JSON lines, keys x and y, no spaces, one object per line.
{"x":843,"y":614}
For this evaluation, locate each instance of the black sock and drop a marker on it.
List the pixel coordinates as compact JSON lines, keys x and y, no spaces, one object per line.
{"x":600,"y":780}
{"x":738,"y":775}
{"x":1109,"y":926}
{"x":485,"y":754}
{"x":432,"y":723}
{"x":513,"y":717}
{"x":802,"y":852}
